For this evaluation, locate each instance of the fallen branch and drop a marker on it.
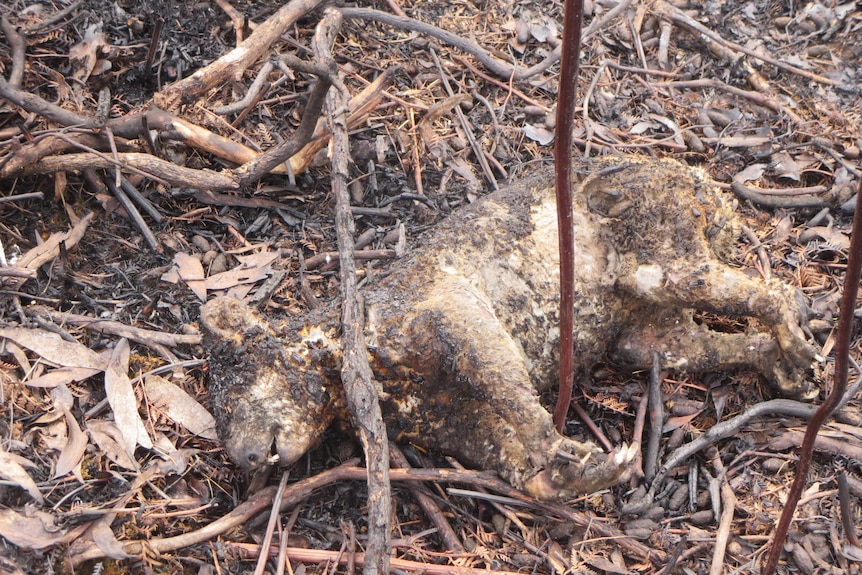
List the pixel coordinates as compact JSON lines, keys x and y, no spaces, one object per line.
{"x":127,"y":127}
{"x":55,"y":143}
{"x":338,"y":558}
{"x":298,"y":492}
{"x":146,"y":337}
{"x":144,"y":164}
{"x":356,"y":375}
{"x":773,"y":201}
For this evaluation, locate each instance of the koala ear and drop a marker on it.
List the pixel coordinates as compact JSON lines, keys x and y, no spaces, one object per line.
{"x":608,"y":194}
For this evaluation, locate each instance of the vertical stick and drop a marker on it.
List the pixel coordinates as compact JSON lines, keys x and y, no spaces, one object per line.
{"x":571,"y":52}
{"x":359,"y":385}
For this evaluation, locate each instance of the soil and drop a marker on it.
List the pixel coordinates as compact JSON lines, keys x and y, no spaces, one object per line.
{"x":165,"y":492}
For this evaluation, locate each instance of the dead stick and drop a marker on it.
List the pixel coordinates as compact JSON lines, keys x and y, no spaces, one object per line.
{"x":22,"y":197}
{"x":726,"y":429}
{"x":728,"y":503}
{"x":133,"y":213}
{"x":337,"y":558}
{"x":265,"y":162}
{"x":145,"y":164}
{"x":127,"y":126}
{"x":772,"y":201}
{"x":656,"y":417}
{"x":359,"y":385}
{"x":846,"y":511}
{"x":18,"y":46}
{"x":139,"y":335}
{"x":495,"y":65}
{"x":430,"y":507}
{"x":756,"y":97}
{"x":302,"y":490}
{"x":141,"y":200}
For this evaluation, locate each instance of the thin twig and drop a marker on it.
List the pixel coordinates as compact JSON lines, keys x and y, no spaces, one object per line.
{"x":56,"y":17}
{"x":429,"y":506}
{"x":134,"y":214}
{"x":253,"y":90}
{"x":656,"y":416}
{"x":773,"y":201}
{"x":274,"y":514}
{"x":22,"y":197}
{"x":468,"y":129}
{"x":728,"y":503}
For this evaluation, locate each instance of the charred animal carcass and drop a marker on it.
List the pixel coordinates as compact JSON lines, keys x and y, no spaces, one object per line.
{"x":464,"y":330}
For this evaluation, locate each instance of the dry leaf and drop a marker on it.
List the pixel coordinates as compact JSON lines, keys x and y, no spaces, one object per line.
{"x":84,"y":55}
{"x":174,"y":460}
{"x":121,"y":396}
{"x":785,"y":166}
{"x":833,"y":237}
{"x":538,"y":134}
{"x":12,"y":469}
{"x":852,"y":552}
{"x":252,"y":268}
{"x":104,"y":538}
{"x":33,"y":529}
{"x":110,"y":441}
{"x":750,"y":173}
{"x":679,"y":421}
{"x":191,"y":270}
{"x":53,"y":348}
{"x":72,"y":454}
{"x":19,"y":355}
{"x":607,"y":566}
{"x":62,"y":376}
{"x":179,"y":406}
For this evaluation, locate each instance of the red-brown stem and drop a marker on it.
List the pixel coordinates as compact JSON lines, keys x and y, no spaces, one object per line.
{"x":571,"y":52}
{"x":839,"y":385}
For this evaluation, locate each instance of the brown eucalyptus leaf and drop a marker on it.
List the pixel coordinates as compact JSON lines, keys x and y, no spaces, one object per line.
{"x":12,"y":469}
{"x":72,"y":454}
{"x":84,"y":55}
{"x":110,"y":441}
{"x":53,"y":348}
{"x":785,"y":166}
{"x":179,"y":406}
{"x":104,"y":538}
{"x":32,"y":529}
{"x":121,"y":397}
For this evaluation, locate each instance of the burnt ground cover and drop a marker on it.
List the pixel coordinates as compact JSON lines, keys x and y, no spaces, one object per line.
{"x":108,"y":460}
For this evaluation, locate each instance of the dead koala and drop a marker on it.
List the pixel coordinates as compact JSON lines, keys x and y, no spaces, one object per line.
{"x":464,"y":330}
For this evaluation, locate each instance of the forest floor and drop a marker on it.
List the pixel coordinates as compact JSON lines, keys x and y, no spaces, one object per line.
{"x":108,"y":459}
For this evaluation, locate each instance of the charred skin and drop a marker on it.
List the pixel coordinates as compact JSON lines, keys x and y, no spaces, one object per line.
{"x":464,"y":330}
